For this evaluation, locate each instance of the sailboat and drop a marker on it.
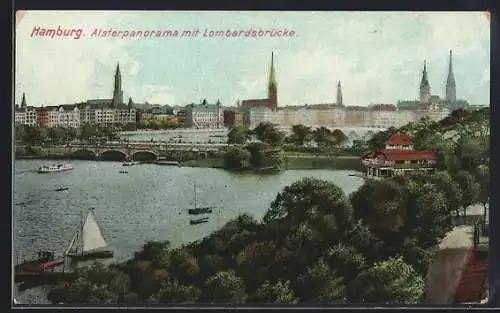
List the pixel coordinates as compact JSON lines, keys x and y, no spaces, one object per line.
{"x":88,"y":241}
{"x":199,"y":210}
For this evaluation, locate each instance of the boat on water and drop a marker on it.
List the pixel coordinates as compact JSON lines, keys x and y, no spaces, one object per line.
{"x":54,"y":168}
{"x":88,"y":242}
{"x":45,"y":260}
{"x":198,"y":220}
{"x":170,"y":163}
{"x":61,"y":189}
{"x":130,"y":163}
{"x":199,"y":210}
{"x":123,"y":172}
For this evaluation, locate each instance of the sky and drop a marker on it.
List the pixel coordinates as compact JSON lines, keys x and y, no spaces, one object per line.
{"x":377,"y":56}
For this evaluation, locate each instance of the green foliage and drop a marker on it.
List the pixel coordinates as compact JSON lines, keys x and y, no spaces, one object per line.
{"x":239,"y":134}
{"x":312,"y":200}
{"x":389,"y":282}
{"x":300,"y":133}
{"x":320,"y":284}
{"x":224,"y":287}
{"x":469,"y":186}
{"x":268,"y":133}
{"x":280,"y":292}
{"x":236,"y":158}
{"x":380,"y":205}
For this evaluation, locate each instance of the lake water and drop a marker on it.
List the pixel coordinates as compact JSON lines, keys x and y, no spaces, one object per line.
{"x":148,"y":203}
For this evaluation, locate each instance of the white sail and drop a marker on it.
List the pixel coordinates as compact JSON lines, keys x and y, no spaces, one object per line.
{"x":91,"y":234}
{"x":71,"y":243}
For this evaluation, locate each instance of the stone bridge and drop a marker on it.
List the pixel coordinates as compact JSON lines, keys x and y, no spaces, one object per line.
{"x":133,"y":150}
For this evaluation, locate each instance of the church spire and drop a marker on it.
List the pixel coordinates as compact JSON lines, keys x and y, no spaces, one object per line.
{"x":272,"y":74}
{"x":117,"y":91}
{"x":451,"y":91}
{"x":340,"y":100}
{"x":272,"y":89}
{"x":23,"y":101}
{"x":425,"y":87}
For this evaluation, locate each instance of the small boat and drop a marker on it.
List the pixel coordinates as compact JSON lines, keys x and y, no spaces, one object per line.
{"x":198,"y":221}
{"x":88,"y":242}
{"x":199,"y":210}
{"x":164,"y":162}
{"x":44,"y":261}
{"x":54,"y":168}
{"x":61,"y":189}
{"x":130,"y":163}
{"x":123,"y":172}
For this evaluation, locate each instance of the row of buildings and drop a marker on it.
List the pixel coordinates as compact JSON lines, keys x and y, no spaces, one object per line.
{"x":249,"y":112}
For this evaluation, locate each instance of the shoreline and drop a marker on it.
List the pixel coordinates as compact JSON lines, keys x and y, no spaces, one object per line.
{"x":170,"y":131}
{"x":289,"y":163}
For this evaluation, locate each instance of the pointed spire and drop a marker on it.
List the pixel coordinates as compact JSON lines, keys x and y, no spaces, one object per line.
{"x":130,"y":102}
{"x":118,"y":68}
{"x":23,"y":101}
{"x":451,"y":76}
{"x":451,"y":90}
{"x":340,"y":100}
{"x":425,"y":81}
{"x":272,"y":73}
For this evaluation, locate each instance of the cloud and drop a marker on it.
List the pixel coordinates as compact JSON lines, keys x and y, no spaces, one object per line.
{"x":157,"y":94}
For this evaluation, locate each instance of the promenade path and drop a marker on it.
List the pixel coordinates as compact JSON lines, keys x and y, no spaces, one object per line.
{"x":445,"y":271}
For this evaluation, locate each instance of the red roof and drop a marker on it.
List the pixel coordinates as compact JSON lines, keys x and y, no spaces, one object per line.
{"x":399,"y":155}
{"x":399,"y":139}
{"x":253,"y":103}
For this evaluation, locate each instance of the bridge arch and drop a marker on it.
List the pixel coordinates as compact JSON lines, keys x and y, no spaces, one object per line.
{"x":144,"y":155}
{"x":84,"y":154}
{"x":113,"y":155}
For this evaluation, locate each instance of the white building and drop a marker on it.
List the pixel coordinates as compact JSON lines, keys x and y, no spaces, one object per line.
{"x":68,"y":116}
{"x":252,"y":117}
{"x":104,"y":115}
{"x":25,"y":116}
{"x":204,"y":115}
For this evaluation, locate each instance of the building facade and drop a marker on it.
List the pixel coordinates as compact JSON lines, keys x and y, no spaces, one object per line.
{"x":398,"y":158}
{"x":204,"y":115}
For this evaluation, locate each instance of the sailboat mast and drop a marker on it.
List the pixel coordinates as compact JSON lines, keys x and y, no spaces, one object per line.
{"x":195,"y":195}
{"x":80,"y":236}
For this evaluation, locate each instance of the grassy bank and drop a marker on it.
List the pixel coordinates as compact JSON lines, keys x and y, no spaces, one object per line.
{"x":207,"y":163}
{"x":293,"y":163}
{"x":312,"y":162}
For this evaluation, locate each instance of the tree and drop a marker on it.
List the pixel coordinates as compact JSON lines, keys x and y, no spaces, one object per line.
{"x":268,"y":133}
{"x":236,"y":158}
{"x":311,"y":199}
{"x":98,"y":285}
{"x":348,"y":260}
{"x":224,"y":287}
{"x":377,"y":141}
{"x":280,"y":292}
{"x":387,"y":282}
{"x":323,"y":136}
{"x":320,"y":284}
{"x":380,"y":205}
{"x":428,"y":217}
{"x":300,"y":133}
{"x":470,"y":189}
{"x":483,"y":178}
{"x":172,"y":291}
{"x":339,"y":137}
{"x":257,"y":154}
{"x":239,"y":134}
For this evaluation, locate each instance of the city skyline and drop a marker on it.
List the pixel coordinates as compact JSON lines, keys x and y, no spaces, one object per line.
{"x":376,"y":61}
